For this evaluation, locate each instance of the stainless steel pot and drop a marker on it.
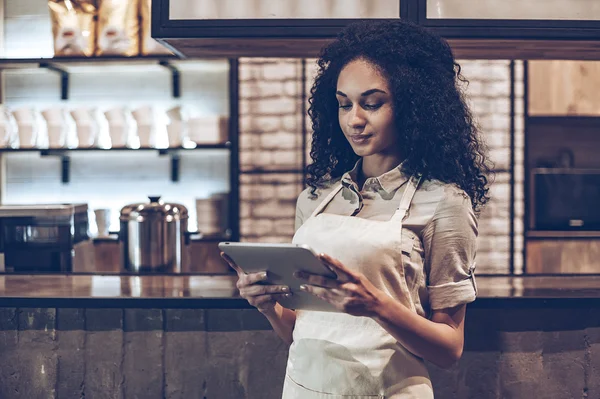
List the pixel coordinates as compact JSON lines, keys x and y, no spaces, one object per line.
{"x":154,"y":237}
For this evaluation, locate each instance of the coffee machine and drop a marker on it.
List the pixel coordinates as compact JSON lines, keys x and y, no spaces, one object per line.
{"x":45,"y":238}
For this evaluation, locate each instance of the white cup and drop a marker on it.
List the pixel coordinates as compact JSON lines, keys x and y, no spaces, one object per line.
{"x":175,"y":114}
{"x":86,"y":135}
{"x":56,"y":135}
{"x":175,"y":133}
{"x":82,"y":116}
{"x":27,"y":135}
{"x":116,"y":116}
{"x":102,"y":221}
{"x":5,"y":133}
{"x":24,"y":116}
{"x":146,"y":135}
{"x":118,"y":135}
{"x":143,"y":115}
{"x":4,"y":114}
{"x":54,"y":116}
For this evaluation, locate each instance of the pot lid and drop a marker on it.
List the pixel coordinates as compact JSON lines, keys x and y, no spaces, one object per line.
{"x":155,"y":208}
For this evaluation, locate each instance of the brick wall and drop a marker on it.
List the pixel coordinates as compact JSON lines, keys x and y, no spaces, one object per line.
{"x":271,"y":140}
{"x":270,"y":143}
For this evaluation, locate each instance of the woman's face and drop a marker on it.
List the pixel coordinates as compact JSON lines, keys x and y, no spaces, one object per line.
{"x":365,"y":110}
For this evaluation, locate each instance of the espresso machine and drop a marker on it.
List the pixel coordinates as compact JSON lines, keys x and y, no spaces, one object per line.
{"x":45,"y":238}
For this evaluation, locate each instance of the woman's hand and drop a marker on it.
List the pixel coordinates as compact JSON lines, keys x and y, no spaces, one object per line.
{"x":261,"y":296}
{"x":351,"y":293}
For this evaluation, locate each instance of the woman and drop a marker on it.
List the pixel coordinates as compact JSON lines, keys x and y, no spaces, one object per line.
{"x":397,"y":177}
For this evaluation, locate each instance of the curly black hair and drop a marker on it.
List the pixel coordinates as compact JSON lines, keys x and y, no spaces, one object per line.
{"x":436,"y":128}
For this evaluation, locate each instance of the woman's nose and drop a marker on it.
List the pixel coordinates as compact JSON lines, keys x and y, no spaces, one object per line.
{"x":356,"y":118}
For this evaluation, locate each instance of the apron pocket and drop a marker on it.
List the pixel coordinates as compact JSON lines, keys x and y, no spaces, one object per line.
{"x":293,"y":390}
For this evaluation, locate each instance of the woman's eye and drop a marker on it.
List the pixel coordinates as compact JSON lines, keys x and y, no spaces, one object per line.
{"x":345,"y":106}
{"x":371,"y":106}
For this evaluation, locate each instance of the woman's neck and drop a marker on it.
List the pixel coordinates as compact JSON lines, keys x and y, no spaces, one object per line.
{"x":376,"y":165}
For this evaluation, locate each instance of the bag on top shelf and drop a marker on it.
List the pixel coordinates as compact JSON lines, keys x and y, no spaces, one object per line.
{"x":73,"y":27}
{"x":103,"y":27}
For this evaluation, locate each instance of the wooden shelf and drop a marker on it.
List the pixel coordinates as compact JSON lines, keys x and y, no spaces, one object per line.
{"x":6,"y":63}
{"x":50,"y":151}
{"x":569,"y":234}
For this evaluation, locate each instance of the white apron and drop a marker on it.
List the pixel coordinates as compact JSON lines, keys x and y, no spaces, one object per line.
{"x":336,"y":355}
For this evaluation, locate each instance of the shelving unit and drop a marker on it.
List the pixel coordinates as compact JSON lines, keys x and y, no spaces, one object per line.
{"x":67,"y":66}
{"x":62,"y":65}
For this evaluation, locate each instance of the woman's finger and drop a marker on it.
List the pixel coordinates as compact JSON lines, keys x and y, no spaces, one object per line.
{"x":320,"y":292}
{"x":314,"y":279}
{"x":258,"y":301}
{"x":257,"y":290}
{"x":344,"y":274}
{"x":249,"y":279}
{"x":232,"y":264}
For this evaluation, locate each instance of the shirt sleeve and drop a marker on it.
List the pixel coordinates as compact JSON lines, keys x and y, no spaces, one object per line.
{"x":450,"y":245}
{"x":301,"y":205}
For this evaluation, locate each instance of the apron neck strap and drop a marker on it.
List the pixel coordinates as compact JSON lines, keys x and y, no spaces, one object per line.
{"x":327,"y":200}
{"x":407,"y":197}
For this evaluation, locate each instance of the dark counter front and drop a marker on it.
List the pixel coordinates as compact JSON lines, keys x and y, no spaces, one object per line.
{"x":192,"y":337}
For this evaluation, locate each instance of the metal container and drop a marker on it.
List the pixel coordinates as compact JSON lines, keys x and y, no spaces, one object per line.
{"x":154,"y":237}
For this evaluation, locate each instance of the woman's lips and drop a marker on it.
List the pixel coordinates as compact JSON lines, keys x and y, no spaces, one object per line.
{"x":360,"y":138}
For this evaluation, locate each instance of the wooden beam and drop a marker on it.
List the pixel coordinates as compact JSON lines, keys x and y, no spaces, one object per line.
{"x":463,"y":48}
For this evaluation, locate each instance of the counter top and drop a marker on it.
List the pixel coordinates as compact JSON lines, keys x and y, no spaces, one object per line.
{"x":219,"y":291}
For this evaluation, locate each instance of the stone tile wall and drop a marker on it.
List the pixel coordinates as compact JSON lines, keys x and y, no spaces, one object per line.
{"x":526,"y":351}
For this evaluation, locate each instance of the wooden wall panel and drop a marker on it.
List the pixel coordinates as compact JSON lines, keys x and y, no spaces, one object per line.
{"x":564,"y":88}
{"x":563,"y":256}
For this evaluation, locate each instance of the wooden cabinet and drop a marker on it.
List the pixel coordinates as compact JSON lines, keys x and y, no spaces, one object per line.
{"x":576,"y":255}
{"x":564,"y":88}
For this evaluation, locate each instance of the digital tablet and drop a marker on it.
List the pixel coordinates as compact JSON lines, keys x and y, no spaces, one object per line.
{"x":281,"y":261}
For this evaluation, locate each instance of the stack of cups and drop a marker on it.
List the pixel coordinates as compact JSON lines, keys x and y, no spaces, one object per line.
{"x":145,"y":126}
{"x":211,"y":129}
{"x":176,"y":127}
{"x":26,"y":127}
{"x":86,"y":126}
{"x":6,"y":128}
{"x":56,"y":126}
{"x":211,"y":214}
{"x":118,"y":127}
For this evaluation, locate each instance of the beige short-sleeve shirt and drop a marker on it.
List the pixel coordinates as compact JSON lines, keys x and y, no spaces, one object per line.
{"x":441,"y":217}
